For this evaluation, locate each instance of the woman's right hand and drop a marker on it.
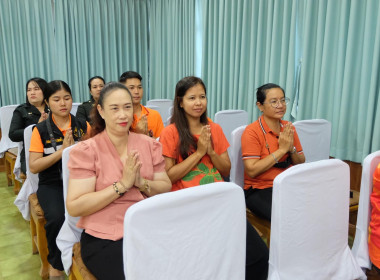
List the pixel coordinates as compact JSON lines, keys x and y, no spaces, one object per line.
{"x":286,"y":139}
{"x":132,"y":166}
{"x":203,"y":141}
{"x":43,"y":117}
{"x":68,"y":140}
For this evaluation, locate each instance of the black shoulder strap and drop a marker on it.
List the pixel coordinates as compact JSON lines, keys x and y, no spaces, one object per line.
{"x":51,"y":135}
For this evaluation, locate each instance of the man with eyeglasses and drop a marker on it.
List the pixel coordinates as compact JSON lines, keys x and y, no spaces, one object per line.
{"x":145,"y":120}
{"x":269,"y":146}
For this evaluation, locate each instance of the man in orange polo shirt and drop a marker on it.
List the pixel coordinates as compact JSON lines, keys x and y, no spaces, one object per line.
{"x":145,"y":120}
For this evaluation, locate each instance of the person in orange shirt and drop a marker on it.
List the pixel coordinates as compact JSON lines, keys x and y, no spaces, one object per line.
{"x":49,"y":138}
{"x":195,"y":152}
{"x":145,"y":120}
{"x":269,"y":146}
{"x":374,"y":225}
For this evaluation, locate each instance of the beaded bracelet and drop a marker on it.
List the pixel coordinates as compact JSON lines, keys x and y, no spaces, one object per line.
{"x":116,"y":189}
{"x":145,"y":187}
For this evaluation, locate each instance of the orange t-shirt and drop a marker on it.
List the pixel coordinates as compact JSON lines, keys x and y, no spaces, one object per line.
{"x":36,"y":144}
{"x":155,"y":124}
{"x":257,"y":142}
{"x":204,"y":172}
{"x":374,"y":225}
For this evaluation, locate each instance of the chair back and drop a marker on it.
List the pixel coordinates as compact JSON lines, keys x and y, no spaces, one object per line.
{"x":163,"y":107}
{"x":17,"y":168}
{"x":309,"y":231}
{"x":229,"y":120}
{"x":74,"y":108}
{"x":195,"y":233}
{"x":69,"y":233}
{"x":360,"y":247}
{"x":31,"y":183}
{"x":237,"y":165}
{"x":6,"y":114}
{"x":315,"y":138}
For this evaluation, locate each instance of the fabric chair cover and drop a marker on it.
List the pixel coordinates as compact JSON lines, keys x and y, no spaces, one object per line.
{"x":315,"y":137}
{"x":31,"y":183}
{"x":360,"y":247}
{"x":237,"y":165}
{"x":69,"y":233}
{"x":74,"y":108}
{"x":17,"y":168}
{"x":163,"y":107}
{"x":6,"y":114}
{"x":229,"y":120}
{"x":309,"y":231}
{"x":195,"y":233}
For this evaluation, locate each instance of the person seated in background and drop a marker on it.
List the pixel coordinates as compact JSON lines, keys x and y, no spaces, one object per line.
{"x":95,"y":85}
{"x":49,"y":138}
{"x":269,"y":146}
{"x":374,"y":225}
{"x":32,"y":112}
{"x":109,"y":172}
{"x":195,"y":152}
{"x":145,"y":120}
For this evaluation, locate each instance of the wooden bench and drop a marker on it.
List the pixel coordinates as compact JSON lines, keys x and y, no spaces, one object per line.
{"x":10,"y":161}
{"x":78,"y":269}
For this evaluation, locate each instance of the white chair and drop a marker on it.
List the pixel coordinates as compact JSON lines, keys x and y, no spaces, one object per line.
{"x":163,"y":107}
{"x":69,"y":233}
{"x":360,"y":247}
{"x":237,"y":165}
{"x":17,"y":168}
{"x":315,"y":138}
{"x":229,"y":120}
{"x":195,"y":233}
{"x":309,"y":233}
{"x":6,"y":114}
{"x":74,"y":108}
{"x":31,"y":183}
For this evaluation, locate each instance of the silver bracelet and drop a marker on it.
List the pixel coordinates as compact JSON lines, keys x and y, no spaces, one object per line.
{"x":274,"y":157}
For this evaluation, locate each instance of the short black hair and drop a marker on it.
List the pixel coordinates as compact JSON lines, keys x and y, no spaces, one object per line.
{"x":93,"y":78}
{"x":55,"y":86}
{"x":261,"y":92}
{"x":129,"y":75}
{"x":43,"y":85}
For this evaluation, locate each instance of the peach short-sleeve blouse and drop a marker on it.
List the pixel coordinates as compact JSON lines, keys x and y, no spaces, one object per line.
{"x":97,"y":157}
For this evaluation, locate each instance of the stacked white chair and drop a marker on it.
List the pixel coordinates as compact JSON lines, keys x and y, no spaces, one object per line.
{"x":195,"y":233}
{"x":163,"y":107}
{"x":31,"y":183}
{"x":309,"y":223}
{"x":69,"y":233}
{"x":360,"y":247}
{"x":6,"y":114}
{"x":237,"y":165}
{"x":315,"y":137}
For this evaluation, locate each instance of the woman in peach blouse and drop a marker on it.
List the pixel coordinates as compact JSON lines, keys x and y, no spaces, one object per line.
{"x":109,"y":172}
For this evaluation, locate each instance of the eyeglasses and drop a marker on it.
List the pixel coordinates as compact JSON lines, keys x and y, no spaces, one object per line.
{"x":276,"y":103}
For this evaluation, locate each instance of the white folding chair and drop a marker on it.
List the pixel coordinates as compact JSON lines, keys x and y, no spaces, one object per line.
{"x":6,"y":114}
{"x":31,"y":183}
{"x":309,"y":233}
{"x":74,"y":108}
{"x":69,"y":233}
{"x":315,"y":138}
{"x":237,"y":165}
{"x":195,"y":233}
{"x":163,"y":107}
{"x":360,"y":247}
{"x":230,"y":119}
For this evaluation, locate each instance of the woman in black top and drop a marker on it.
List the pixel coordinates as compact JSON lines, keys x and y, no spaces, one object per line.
{"x":31,"y":112}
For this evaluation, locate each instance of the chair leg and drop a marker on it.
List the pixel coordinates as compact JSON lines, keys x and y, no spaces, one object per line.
{"x":43,"y":250}
{"x":33,"y":235}
{"x":17,"y":186}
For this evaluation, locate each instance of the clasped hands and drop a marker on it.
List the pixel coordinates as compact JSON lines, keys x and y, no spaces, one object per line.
{"x":204,"y":145}
{"x":286,"y":138}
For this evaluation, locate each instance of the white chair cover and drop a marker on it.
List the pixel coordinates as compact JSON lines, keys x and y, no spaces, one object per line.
{"x":17,"y":168}
{"x":237,"y":165}
{"x":74,"y":108}
{"x":315,"y":137}
{"x":69,"y":233}
{"x":230,"y":119}
{"x":195,"y":233}
{"x":163,"y":107}
{"x":309,"y":230}
{"x":31,"y":183}
{"x":360,"y":247}
{"x":6,"y":114}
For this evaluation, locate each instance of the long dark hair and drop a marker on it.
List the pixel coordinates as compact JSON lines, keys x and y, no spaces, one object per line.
{"x":186,"y":139}
{"x":42,"y":84}
{"x":98,"y":124}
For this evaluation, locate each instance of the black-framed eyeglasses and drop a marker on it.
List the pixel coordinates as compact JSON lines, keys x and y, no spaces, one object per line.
{"x":275,"y":103}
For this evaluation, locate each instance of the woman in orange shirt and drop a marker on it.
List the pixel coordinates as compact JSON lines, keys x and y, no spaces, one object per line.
{"x":374,"y":225}
{"x":195,"y":152}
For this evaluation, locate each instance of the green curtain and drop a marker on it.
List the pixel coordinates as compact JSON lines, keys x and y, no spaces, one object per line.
{"x":340,"y":73}
{"x":246,"y":44}
{"x":26,"y":37}
{"x":172,"y":44}
{"x":97,"y":37}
